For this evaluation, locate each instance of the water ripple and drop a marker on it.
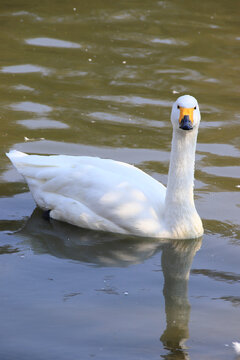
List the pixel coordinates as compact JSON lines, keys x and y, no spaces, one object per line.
{"x":24,"y":69}
{"x":132,"y":156}
{"x":223,"y":171}
{"x":135,"y":100}
{"x":22,"y":87}
{"x":30,"y":106}
{"x":43,"y":123}
{"x":169,"y":42}
{"x":50,"y":42}
{"x":125,"y":119}
{"x":219,"y":149}
{"x":195,"y":59}
{"x":26,"y":13}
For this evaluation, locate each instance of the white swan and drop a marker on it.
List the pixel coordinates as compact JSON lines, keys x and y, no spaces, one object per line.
{"x":103,"y":194}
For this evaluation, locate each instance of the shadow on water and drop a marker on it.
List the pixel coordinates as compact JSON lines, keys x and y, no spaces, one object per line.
{"x":96,"y":248}
{"x":177,"y":257}
{"x":106,"y":249}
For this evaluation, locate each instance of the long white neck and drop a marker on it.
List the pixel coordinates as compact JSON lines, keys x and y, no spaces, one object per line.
{"x":181,"y":169}
{"x":180,"y":212}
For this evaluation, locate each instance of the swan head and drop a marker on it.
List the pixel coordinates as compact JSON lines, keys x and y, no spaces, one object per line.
{"x":185,"y":113}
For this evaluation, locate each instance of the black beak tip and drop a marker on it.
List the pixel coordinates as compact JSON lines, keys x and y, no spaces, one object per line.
{"x":186,"y":123}
{"x":186,"y":127}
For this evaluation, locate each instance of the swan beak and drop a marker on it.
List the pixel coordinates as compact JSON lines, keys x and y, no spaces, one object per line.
{"x":186,"y":118}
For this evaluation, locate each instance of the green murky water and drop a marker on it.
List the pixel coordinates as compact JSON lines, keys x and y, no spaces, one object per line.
{"x":99,"y":78}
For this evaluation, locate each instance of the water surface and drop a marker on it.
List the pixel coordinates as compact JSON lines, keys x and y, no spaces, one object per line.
{"x":98,"y":78}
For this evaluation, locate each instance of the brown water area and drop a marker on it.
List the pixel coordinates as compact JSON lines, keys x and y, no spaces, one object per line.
{"x":99,"y":78}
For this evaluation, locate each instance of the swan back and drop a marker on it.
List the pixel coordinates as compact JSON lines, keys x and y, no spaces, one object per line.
{"x":99,"y":194}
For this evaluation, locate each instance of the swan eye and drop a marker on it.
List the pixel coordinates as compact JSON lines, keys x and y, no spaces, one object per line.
{"x":178,"y":107}
{"x":195,"y":107}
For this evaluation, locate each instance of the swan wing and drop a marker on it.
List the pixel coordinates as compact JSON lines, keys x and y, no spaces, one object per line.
{"x":99,"y":194}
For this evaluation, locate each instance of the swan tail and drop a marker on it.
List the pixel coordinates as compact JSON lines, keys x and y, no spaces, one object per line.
{"x":13,"y":154}
{"x":16,"y":157}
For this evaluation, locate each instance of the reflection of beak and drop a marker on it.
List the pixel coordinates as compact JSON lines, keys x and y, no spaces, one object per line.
{"x":186,"y":118}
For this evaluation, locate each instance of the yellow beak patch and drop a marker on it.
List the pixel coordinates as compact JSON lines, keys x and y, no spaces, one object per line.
{"x":186,"y":111}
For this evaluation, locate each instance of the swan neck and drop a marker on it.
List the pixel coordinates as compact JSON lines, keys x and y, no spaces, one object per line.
{"x":181,"y":169}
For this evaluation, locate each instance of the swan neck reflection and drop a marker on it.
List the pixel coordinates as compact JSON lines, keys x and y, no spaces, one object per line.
{"x":177,"y":258}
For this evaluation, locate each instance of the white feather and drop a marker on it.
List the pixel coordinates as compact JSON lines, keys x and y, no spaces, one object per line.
{"x":236,"y":346}
{"x":103,"y":194}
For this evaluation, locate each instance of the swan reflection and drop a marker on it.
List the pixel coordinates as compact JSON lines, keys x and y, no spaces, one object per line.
{"x":114,"y":250}
{"x":177,"y":257}
{"x":94,"y":247}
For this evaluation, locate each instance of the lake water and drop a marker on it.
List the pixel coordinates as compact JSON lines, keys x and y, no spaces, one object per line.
{"x":99,"y":78}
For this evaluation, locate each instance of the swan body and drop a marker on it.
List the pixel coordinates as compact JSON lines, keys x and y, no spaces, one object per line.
{"x":108,"y":195}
